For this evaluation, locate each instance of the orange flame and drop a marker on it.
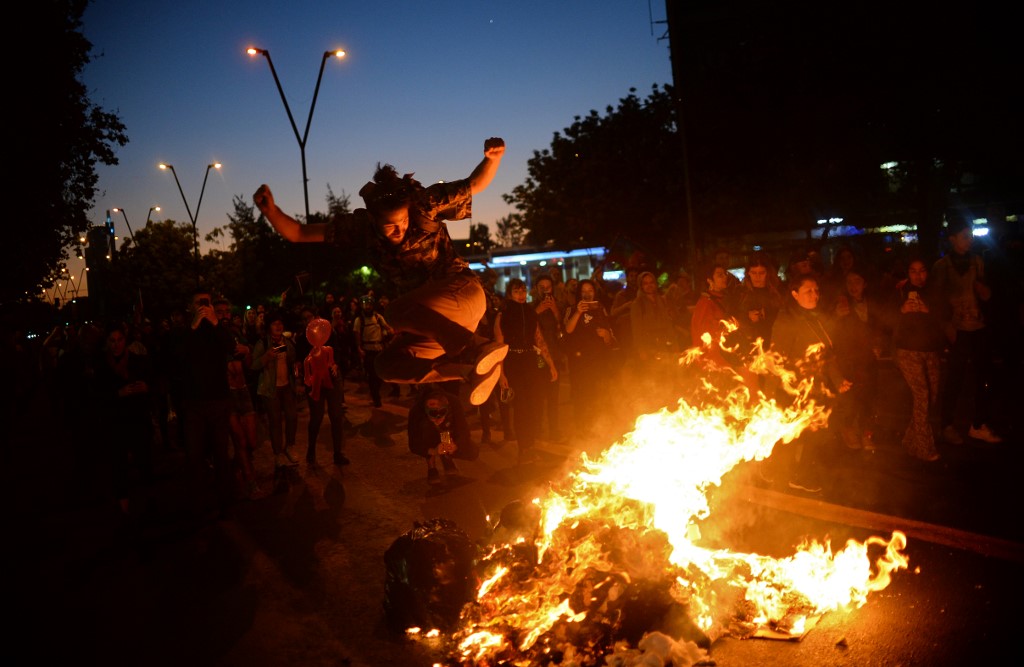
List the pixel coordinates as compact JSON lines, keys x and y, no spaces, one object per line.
{"x":631,"y":515}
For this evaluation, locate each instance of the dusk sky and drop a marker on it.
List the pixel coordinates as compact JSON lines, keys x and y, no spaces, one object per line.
{"x":422,"y":86}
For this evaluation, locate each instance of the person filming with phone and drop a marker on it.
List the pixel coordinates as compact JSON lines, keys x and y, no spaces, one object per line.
{"x":274,"y":357}
{"x":206,"y":403}
{"x":589,"y":343}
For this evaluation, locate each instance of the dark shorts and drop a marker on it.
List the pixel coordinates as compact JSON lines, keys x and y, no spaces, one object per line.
{"x":241,"y":401}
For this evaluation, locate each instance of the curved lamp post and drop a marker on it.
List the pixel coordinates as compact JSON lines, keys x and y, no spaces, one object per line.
{"x":122,"y":212}
{"x":150,"y":214}
{"x":339,"y":54}
{"x":193,"y":218}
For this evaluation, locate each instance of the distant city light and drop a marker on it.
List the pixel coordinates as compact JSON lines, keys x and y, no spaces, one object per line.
{"x":830,"y":221}
{"x":889,"y":165}
{"x":538,"y":256}
{"x":980,"y":231}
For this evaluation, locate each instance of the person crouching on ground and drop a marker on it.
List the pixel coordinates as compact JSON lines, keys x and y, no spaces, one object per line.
{"x":439,"y":432}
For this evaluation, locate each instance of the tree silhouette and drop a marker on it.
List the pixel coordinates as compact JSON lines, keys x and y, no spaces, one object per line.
{"x":59,"y":137}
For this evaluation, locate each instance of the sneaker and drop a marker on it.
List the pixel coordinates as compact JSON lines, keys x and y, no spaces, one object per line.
{"x":448,"y":464}
{"x":983,"y":433}
{"x":483,"y":385}
{"x":801,"y":484}
{"x":288,"y":455}
{"x":950,"y":435}
{"x":488,"y":356}
{"x":341,"y":460}
{"x":433,"y":476}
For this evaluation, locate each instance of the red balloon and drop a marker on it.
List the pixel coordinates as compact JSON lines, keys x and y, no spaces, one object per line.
{"x":318,"y":332}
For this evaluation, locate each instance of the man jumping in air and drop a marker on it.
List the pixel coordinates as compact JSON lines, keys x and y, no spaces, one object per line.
{"x":441,"y":300}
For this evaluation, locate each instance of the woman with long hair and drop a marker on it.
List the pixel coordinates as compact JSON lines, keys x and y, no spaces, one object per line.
{"x":527,"y":366}
{"x":918,"y":342}
{"x":799,"y":326}
{"x":589,"y":342}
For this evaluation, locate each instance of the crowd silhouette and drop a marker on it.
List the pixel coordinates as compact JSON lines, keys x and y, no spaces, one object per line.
{"x":216,"y":382}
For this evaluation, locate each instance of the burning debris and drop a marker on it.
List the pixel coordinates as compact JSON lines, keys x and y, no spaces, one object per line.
{"x":608,"y":568}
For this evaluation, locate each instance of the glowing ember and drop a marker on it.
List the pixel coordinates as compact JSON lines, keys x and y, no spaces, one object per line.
{"x":613,"y":564}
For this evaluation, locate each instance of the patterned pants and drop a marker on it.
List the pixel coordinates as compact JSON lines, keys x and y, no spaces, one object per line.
{"x":921,"y":371}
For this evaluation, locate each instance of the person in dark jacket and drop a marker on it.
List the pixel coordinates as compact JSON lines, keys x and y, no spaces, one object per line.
{"x":798,"y":327}
{"x":439,"y":432}
{"x":529,"y":364}
{"x":206,"y":401}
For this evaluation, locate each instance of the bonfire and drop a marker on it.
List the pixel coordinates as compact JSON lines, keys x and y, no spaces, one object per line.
{"x":609,"y":567}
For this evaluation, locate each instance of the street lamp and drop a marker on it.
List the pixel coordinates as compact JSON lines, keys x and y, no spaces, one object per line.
{"x":122,"y":212}
{"x":150,"y":214}
{"x":339,"y":54}
{"x":193,"y":218}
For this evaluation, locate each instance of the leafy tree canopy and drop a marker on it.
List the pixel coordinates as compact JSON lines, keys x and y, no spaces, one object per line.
{"x":59,"y":137}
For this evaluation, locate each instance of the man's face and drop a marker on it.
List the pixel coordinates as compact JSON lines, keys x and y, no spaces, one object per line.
{"x":223,"y":312}
{"x":961,"y":242}
{"x":394,"y":224}
{"x":519,"y":294}
{"x":544,"y":287}
{"x":277,"y":328}
{"x":437,"y":409}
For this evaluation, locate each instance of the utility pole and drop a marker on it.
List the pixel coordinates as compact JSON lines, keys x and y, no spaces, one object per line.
{"x":674,"y":18}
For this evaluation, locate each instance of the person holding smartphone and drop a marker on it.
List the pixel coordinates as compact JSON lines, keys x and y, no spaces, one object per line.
{"x":274,"y":357}
{"x":589,"y":343}
{"x":206,"y":403}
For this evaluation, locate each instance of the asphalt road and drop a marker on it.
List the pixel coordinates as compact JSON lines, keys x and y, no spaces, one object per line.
{"x":296,"y":576}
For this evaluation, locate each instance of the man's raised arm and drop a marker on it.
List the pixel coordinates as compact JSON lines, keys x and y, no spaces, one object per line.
{"x":286,"y":226}
{"x":494,"y":149}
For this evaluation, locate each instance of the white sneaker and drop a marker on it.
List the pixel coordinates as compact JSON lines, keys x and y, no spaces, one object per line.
{"x":483,"y":385}
{"x":983,"y":433}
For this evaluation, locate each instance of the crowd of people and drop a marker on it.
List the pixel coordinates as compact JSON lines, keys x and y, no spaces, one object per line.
{"x":216,"y":381}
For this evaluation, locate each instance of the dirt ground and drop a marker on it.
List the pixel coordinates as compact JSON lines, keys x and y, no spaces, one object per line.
{"x":296,"y":576}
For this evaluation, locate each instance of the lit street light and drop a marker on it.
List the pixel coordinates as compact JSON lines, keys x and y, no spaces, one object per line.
{"x":339,"y":54}
{"x":122,"y":212}
{"x":193,"y":218}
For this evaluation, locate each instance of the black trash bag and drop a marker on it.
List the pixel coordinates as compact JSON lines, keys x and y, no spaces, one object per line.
{"x":429,"y":576}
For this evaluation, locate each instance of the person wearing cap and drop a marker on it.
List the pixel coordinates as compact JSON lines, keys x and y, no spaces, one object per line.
{"x":440,"y":299}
